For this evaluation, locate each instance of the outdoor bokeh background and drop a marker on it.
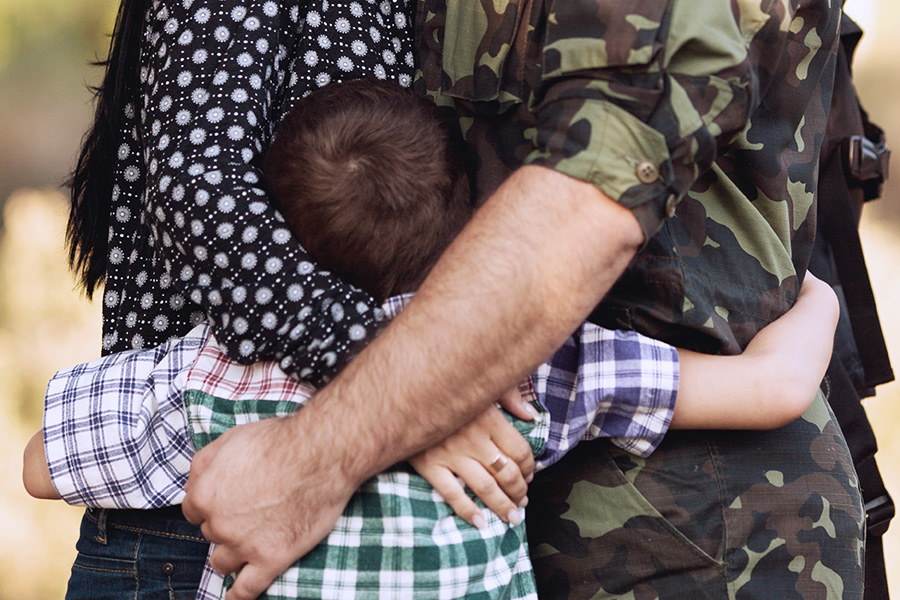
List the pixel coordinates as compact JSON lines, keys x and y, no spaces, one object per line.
{"x":45,"y":48}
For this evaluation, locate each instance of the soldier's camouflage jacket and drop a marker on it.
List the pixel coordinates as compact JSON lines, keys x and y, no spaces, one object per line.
{"x":705,"y":118}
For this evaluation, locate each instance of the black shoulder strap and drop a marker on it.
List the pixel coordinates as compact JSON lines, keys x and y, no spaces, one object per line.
{"x":852,"y":168}
{"x":838,"y":221}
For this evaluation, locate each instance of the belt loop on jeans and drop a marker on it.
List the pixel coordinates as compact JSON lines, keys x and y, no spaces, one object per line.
{"x":101,"y":525}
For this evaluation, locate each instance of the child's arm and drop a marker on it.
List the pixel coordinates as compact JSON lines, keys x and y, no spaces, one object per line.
{"x":115,"y":430}
{"x":774,"y":381}
{"x":35,"y":473}
{"x":771,"y":384}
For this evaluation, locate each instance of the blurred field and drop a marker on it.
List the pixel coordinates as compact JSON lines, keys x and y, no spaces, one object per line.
{"x":45,"y":325}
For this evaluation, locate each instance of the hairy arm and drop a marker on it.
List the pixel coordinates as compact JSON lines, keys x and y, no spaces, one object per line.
{"x":492,"y":309}
{"x":535,"y":260}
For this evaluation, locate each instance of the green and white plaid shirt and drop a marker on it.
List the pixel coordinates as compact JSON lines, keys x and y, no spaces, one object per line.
{"x":397,"y":538}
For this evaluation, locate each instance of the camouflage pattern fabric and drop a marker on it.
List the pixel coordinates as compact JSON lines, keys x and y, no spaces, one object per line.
{"x":712,"y":112}
{"x":736,"y":515}
{"x":706,"y":119}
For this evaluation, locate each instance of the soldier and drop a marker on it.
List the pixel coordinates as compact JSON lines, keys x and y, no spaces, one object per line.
{"x":674,"y":144}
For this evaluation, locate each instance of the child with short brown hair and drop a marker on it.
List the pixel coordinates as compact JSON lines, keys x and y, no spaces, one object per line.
{"x":369,"y":178}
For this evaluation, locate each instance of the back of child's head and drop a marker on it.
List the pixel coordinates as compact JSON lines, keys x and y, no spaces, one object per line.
{"x":370,"y":177}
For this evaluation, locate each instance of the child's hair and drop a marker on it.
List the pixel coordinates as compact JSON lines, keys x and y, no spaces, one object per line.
{"x":370,"y":177}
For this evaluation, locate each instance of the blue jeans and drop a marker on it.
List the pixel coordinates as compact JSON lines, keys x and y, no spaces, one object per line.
{"x":137,"y":555}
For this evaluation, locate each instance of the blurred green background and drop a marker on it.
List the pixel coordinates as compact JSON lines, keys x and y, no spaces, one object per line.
{"x":45,"y":324}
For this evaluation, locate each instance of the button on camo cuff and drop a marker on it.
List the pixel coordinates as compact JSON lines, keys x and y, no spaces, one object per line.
{"x":598,"y":142}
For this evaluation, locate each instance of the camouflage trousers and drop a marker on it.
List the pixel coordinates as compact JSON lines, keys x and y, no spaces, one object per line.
{"x":738,"y":515}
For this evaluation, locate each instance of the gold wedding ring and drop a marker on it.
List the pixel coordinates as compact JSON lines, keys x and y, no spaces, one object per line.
{"x":498,"y":463}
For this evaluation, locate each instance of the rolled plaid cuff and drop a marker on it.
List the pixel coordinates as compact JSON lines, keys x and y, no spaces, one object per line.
{"x":608,"y":384}
{"x":115,"y":429}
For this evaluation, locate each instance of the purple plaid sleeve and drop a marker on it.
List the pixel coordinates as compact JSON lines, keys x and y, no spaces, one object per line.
{"x":607,"y":383}
{"x":602,"y":383}
{"x":115,"y":429}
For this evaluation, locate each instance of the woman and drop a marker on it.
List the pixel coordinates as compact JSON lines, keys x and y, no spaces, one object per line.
{"x":168,"y":213}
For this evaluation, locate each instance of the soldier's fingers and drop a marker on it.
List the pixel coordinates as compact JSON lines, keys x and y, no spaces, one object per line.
{"x":224,"y":560}
{"x":251,"y":582}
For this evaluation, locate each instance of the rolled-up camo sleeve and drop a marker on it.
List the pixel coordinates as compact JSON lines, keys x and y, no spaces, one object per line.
{"x":635,"y":97}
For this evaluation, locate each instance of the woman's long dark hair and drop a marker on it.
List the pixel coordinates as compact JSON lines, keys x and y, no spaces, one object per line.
{"x":91,"y":183}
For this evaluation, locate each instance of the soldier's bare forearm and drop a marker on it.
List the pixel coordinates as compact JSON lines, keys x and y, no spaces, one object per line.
{"x":521,"y":277}
{"x":533,"y":262}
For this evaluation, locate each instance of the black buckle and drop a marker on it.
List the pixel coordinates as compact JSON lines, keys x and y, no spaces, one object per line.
{"x":879,"y":512}
{"x":867,"y":160}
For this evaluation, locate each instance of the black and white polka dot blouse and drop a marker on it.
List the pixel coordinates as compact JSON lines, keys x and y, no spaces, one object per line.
{"x":192,"y":235}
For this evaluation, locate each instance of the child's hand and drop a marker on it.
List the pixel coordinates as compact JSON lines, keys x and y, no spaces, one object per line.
{"x":775,"y":379}
{"x":493,"y":460}
{"x":795,"y":350}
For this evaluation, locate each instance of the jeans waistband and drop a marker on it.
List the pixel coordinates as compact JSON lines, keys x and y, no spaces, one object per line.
{"x":168,"y":521}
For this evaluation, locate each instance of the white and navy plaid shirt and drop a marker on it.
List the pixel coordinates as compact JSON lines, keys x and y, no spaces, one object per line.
{"x":117,"y":433}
